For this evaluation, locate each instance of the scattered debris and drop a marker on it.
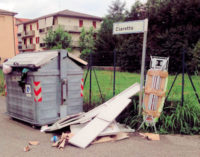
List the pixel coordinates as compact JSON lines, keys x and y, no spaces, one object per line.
{"x":94,"y":125}
{"x":34,"y":143}
{"x":151,"y":136}
{"x":54,"y":139}
{"x":106,"y":116}
{"x":27,"y":148}
{"x":63,"y":140}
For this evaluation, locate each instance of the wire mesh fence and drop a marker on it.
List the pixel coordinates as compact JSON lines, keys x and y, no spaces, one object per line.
{"x":105,"y":78}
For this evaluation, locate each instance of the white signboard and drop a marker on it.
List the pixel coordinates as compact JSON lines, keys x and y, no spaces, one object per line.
{"x":129,"y":27}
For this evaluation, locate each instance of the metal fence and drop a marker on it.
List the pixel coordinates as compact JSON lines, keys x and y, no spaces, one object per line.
{"x":104,"y":77}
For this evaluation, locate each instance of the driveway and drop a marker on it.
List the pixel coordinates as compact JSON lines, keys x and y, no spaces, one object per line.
{"x":15,"y":135}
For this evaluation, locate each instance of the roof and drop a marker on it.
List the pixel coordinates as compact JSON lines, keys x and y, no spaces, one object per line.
{"x":77,"y":60}
{"x":5,"y":12}
{"x":22,"y":19}
{"x":66,"y":13}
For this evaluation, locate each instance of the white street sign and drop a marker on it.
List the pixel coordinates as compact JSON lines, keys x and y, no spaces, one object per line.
{"x":129,"y":27}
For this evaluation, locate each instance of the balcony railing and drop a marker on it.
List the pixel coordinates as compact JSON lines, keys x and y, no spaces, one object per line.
{"x":69,"y":28}
{"x":28,"y":34}
{"x":28,"y":47}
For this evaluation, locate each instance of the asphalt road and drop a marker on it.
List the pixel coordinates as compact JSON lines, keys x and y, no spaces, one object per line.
{"x":15,"y":135}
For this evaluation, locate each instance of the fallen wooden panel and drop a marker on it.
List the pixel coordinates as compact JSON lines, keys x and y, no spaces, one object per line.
{"x":82,"y":118}
{"x":113,"y":129}
{"x":119,"y":136}
{"x":85,"y":136}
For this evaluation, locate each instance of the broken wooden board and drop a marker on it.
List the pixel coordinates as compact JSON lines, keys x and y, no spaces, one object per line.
{"x":34,"y":143}
{"x":117,"y":137}
{"x":151,"y":136}
{"x":86,"y":135}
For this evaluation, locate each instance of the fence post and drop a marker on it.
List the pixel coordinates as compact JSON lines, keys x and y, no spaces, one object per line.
{"x":90,"y":68}
{"x":114,"y":64}
{"x":183,"y":79}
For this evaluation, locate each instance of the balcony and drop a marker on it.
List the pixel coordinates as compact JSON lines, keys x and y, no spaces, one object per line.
{"x":28,"y":47}
{"x":69,"y":28}
{"x":75,"y":43}
{"x":28,"y":34}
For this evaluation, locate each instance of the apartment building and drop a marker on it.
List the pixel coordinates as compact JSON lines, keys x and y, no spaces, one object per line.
{"x":31,"y":33}
{"x":7,"y":35}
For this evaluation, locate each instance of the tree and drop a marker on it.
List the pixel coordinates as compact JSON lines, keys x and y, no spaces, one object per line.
{"x":117,"y":10}
{"x":173,"y":26}
{"x":107,"y":42}
{"x":58,"y":39}
{"x":86,"y":42}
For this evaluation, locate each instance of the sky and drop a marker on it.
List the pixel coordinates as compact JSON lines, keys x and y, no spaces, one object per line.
{"x":36,"y":8}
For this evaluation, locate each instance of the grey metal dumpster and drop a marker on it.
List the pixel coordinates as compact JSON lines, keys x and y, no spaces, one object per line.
{"x":43,"y":87}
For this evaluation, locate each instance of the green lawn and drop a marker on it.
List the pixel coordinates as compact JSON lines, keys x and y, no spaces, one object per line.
{"x":125,"y":79}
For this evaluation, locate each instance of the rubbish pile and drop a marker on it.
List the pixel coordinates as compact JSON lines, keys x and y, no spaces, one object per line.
{"x":97,"y":125}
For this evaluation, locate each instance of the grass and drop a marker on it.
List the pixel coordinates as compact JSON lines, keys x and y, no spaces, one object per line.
{"x":125,"y":79}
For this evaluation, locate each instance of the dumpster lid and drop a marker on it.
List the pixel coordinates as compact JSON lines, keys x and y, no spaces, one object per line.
{"x":32,"y":59}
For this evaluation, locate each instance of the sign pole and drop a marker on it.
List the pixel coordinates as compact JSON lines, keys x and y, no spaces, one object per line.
{"x":129,"y":27}
{"x":143,"y":65}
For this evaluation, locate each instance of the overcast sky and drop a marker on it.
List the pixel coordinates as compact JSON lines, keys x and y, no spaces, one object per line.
{"x":37,"y":8}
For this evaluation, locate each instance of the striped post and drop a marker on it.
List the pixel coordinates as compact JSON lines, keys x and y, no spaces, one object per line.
{"x":37,"y":91}
{"x":82,"y":87}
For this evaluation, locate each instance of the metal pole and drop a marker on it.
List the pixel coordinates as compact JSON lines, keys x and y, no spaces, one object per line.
{"x":114,"y":72}
{"x":98,"y":85}
{"x":171,"y":86}
{"x":195,"y":91}
{"x":183,"y":79}
{"x":88,"y":69}
{"x":90,"y":92}
{"x":143,"y":66}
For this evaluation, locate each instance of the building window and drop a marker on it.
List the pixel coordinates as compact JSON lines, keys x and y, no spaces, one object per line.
{"x":24,"y":28}
{"x":37,"y":40}
{"x":42,"y":44}
{"x":94,"y":24}
{"x":25,"y":42}
{"x":37,"y":25}
{"x":80,"y":23}
{"x":31,"y":27}
{"x":31,"y":40}
{"x":42,"y":30}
